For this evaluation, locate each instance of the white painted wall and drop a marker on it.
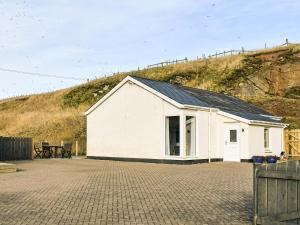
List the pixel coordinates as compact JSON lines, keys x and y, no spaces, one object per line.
{"x":276,"y":140}
{"x":218,"y":135}
{"x":202,"y":134}
{"x":130,"y":123}
{"x":256,"y":141}
{"x":244,"y":141}
{"x":251,"y":139}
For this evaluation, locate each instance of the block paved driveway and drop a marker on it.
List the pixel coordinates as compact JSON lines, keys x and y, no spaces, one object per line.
{"x":92,"y":192}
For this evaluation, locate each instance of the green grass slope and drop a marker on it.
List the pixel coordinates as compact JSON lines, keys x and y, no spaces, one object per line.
{"x":269,"y":79}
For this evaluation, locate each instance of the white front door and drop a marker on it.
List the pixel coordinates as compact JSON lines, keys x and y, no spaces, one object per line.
{"x":231,"y":142}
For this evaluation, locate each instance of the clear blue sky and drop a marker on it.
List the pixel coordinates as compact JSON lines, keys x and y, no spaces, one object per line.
{"x":89,"y":38}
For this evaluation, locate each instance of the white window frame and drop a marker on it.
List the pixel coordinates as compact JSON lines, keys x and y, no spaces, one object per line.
{"x":267,"y":148}
{"x":195,"y":135}
{"x":165,"y":152}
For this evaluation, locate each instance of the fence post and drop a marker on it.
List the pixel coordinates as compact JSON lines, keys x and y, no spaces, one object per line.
{"x":76,"y":149}
{"x":287,"y":42}
{"x":255,"y":166}
{"x":32,"y":148}
{"x":289,"y":142}
{"x":1,"y":149}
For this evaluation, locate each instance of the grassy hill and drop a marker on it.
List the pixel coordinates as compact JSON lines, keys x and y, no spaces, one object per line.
{"x":269,"y":79}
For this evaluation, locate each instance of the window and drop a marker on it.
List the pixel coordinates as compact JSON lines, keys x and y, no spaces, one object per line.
{"x":266,"y":138}
{"x":173,"y":135}
{"x":233,"y":136}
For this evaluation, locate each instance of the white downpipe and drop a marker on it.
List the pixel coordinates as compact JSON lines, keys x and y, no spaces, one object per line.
{"x":282,"y":141}
{"x":209,"y":135}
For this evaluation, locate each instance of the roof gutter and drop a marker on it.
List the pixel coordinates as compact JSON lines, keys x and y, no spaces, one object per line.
{"x":258,"y":122}
{"x":252,"y":122}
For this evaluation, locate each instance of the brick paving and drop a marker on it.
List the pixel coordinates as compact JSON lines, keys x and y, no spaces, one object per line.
{"x":93,"y":192}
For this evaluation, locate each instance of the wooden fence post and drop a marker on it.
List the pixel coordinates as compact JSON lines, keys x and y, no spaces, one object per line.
{"x":289,"y":143}
{"x":255,"y":166}
{"x":32,"y":152}
{"x":76,"y":149}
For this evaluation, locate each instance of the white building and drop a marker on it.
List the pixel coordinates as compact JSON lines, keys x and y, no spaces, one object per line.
{"x":147,"y":120}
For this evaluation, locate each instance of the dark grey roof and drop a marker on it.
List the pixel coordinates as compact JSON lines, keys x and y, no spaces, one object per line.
{"x":253,"y":116}
{"x":204,"y":98}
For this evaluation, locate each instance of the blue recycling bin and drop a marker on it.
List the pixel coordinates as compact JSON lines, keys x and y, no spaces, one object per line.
{"x":271,"y":159}
{"x":258,"y":159}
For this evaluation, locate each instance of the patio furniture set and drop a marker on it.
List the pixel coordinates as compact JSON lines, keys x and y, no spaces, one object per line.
{"x":44,"y":150}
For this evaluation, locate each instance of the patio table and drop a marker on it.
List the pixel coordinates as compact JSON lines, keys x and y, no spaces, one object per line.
{"x":54,"y":149}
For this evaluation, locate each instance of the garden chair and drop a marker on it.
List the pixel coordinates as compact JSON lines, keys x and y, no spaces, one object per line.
{"x":38,"y":151}
{"x":67,"y":151}
{"x":47,"y":151}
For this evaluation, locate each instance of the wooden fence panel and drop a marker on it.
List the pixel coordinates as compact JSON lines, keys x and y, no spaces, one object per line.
{"x":281,"y":190}
{"x":13,"y":148}
{"x":292,"y":191}
{"x":262,"y":204}
{"x":292,"y":142}
{"x":271,"y":192}
{"x":277,"y":193}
